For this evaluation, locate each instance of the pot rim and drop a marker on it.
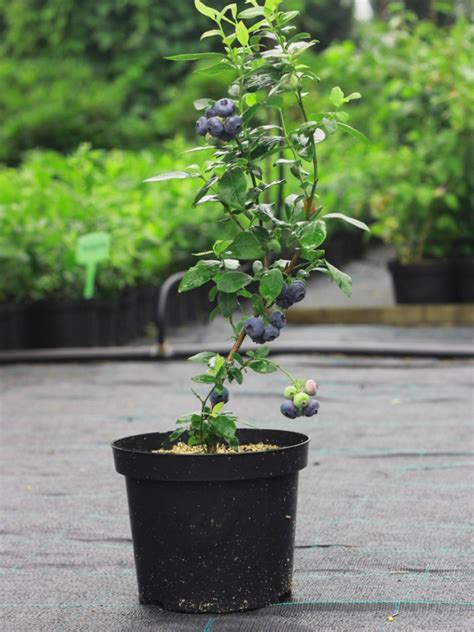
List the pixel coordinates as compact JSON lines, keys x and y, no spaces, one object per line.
{"x":136,"y":460}
{"x":115,"y":445}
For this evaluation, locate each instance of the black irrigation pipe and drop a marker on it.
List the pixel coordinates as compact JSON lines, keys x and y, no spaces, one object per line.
{"x":162,"y":352}
{"x":182,"y":351}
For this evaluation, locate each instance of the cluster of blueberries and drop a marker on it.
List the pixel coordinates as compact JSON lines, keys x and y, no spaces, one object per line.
{"x":256,"y":329}
{"x":220,"y":121}
{"x":300,"y":401}
{"x":291,"y":294}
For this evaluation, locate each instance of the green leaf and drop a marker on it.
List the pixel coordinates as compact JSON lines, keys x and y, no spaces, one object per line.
{"x":242,"y":33}
{"x":216,"y":409}
{"x":233,"y":281}
{"x":211,"y":33}
{"x":220,"y":246}
{"x":203,"y":191}
{"x":352,"y":96}
{"x":248,"y":14}
{"x":246,"y":246}
{"x":205,"y":10}
{"x":349,"y":220}
{"x":233,"y":189}
{"x":204,"y":379}
{"x":204,"y":357}
{"x":271,"y":284}
{"x":228,"y":303}
{"x":313,"y":234}
{"x":224,"y":426}
{"x":353,"y":132}
{"x":336,"y":97}
{"x":261,"y":352}
{"x":202,"y":104}
{"x":262,"y":366}
{"x":342,"y":279}
{"x":172,"y":175}
{"x":199,"y":274}
{"x":194,"y":56}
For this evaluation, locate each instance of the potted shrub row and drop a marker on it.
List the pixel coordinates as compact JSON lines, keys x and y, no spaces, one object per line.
{"x":423,"y":204}
{"x":213,"y":506}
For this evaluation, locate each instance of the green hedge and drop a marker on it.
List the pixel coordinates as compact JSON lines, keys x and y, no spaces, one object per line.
{"x":51,"y":200}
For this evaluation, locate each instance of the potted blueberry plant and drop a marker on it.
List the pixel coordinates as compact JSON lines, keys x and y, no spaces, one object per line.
{"x":213,"y":506}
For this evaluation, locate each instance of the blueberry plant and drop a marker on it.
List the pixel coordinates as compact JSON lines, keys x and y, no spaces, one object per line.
{"x":256,"y":149}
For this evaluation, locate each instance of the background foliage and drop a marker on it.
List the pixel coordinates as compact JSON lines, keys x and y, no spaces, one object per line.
{"x":93,"y":72}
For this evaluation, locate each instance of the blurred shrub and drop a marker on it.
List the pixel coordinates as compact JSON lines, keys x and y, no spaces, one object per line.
{"x":416,"y":176}
{"x":73,"y":72}
{"x":59,"y":105}
{"x":51,"y":200}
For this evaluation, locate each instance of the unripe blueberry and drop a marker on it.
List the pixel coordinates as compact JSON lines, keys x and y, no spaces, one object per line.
{"x":274,"y":246}
{"x":201,"y":126}
{"x":210,"y":112}
{"x":296,"y":292}
{"x":311,"y":387}
{"x":312,"y":408}
{"x":270,"y":333}
{"x":216,"y":398}
{"x":257,"y":266}
{"x":290,"y":392}
{"x":288,"y":409}
{"x":224,"y":107}
{"x":301,"y":400}
{"x":215,"y":127}
{"x":254,"y":327}
{"x":233,"y":125}
{"x":278,"y":320}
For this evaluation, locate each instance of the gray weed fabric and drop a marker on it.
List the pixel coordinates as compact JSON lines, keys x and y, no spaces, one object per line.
{"x":384,"y":520}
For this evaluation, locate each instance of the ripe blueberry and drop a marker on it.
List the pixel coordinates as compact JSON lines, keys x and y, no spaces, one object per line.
{"x":311,"y":387}
{"x":288,"y":409}
{"x":296,"y":292}
{"x":224,"y":107}
{"x":270,"y":333}
{"x":210,"y":112}
{"x":312,"y":408}
{"x":282,"y":299}
{"x":201,"y":126}
{"x":278,"y":320}
{"x":233,"y":125}
{"x":301,"y":400}
{"x":215,"y":127}
{"x":290,"y":392}
{"x":216,"y":398}
{"x":254,"y":327}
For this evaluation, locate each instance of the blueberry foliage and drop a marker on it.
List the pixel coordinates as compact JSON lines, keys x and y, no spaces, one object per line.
{"x":251,"y":165}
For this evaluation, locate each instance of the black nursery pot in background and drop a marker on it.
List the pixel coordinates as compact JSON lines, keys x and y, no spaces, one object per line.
{"x":213,"y":532}
{"x":464,"y":280}
{"x":56,"y":323}
{"x":13,"y":326}
{"x":427,"y":282}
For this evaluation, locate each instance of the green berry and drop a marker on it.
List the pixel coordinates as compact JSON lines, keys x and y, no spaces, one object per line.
{"x":290,"y":392}
{"x":257,"y":266}
{"x":301,"y":400}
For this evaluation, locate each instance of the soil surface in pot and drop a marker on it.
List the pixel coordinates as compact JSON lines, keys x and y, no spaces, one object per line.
{"x":184,"y":448}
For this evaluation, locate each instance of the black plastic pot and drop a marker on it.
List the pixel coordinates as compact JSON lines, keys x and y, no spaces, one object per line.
{"x":213,"y":533}
{"x":464,"y":280}
{"x":13,"y":326}
{"x":56,"y":323}
{"x":427,"y":282}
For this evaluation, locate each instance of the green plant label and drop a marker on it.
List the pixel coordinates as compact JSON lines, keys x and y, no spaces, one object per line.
{"x":92,"y":249}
